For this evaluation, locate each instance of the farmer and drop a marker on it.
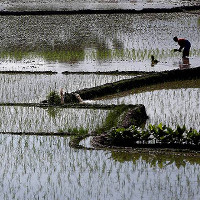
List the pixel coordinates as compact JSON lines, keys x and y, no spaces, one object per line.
{"x":183,"y":43}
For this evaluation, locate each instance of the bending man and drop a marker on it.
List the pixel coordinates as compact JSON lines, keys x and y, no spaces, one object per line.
{"x":183,"y":43}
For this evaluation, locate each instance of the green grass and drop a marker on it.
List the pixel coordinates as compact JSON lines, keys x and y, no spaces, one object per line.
{"x":112,"y":119}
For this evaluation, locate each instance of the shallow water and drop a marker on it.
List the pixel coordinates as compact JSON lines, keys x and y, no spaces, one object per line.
{"x":36,"y":167}
{"x":39,"y":167}
{"x":36,"y":120}
{"x":90,"y":4}
{"x":33,"y":88}
{"x":97,"y":42}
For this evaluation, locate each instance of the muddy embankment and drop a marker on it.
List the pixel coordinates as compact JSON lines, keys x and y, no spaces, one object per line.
{"x":28,"y":72}
{"x":100,"y":11}
{"x":139,"y":81}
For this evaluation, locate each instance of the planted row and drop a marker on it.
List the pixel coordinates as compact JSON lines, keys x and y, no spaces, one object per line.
{"x":154,"y":135}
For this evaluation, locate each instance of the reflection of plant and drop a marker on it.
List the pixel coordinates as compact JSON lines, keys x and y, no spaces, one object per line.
{"x":78,"y":131}
{"x":53,"y":112}
{"x":160,"y":160}
{"x":54,"y":98}
{"x":159,"y":134}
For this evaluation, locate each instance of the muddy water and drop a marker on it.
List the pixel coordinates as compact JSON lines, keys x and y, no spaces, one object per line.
{"x":97,"y":42}
{"x":90,"y":4}
{"x":36,"y":167}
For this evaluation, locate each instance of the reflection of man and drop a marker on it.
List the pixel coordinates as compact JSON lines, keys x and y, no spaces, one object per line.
{"x":183,"y":43}
{"x":185,"y":64}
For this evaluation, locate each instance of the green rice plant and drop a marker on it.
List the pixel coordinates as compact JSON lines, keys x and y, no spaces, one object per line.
{"x":193,"y":136}
{"x":78,"y":131}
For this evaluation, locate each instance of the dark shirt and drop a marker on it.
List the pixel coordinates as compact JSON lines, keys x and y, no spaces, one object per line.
{"x":183,"y":43}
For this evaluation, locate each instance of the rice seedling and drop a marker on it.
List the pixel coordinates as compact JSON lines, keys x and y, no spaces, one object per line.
{"x":36,"y":87}
{"x":101,"y":41}
{"x":32,"y":119}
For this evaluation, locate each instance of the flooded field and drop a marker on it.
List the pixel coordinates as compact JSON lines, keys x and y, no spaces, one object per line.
{"x":39,"y":167}
{"x":34,"y":88}
{"x":36,"y":120}
{"x":47,"y":167}
{"x":97,"y":42}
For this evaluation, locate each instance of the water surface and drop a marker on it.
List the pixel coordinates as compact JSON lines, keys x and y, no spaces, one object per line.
{"x":97,"y":42}
{"x":37,"y":120}
{"x":34,"y":88}
{"x":38,"y":167}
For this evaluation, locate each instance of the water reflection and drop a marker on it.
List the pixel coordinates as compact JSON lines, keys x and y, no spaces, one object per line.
{"x":96,"y":42}
{"x":157,"y":159}
{"x":38,"y":120}
{"x":185,"y":64}
{"x":169,"y":106}
{"x":91,"y":4}
{"x":36,"y":167}
{"x":35,"y":87}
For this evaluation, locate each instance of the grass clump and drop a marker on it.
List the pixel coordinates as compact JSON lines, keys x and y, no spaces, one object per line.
{"x":54,"y":98}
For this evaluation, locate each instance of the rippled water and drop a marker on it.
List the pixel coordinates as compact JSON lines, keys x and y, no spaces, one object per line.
{"x":36,"y":167}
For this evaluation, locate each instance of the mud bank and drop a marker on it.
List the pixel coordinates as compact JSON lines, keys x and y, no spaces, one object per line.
{"x":101,"y":11}
{"x":28,"y":72}
{"x":100,"y":142}
{"x":140,"y":81}
{"x":70,"y":105}
{"x":109,"y":72}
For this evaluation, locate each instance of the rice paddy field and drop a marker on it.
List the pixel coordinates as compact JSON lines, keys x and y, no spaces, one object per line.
{"x":46,"y":167}
{"x":33,"y":88}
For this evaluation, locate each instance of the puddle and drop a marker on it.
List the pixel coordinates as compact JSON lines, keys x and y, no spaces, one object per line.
{"x":86,"y":142}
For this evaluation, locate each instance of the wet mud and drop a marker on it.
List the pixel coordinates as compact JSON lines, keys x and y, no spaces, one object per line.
{"x":101,"y":11}
{"x":140,"y":81}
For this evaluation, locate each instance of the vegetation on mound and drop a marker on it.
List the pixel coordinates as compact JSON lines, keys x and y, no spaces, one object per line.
{"x":122,"y":115}
{"x":53,"y":98}
{"x":153,"y":135}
